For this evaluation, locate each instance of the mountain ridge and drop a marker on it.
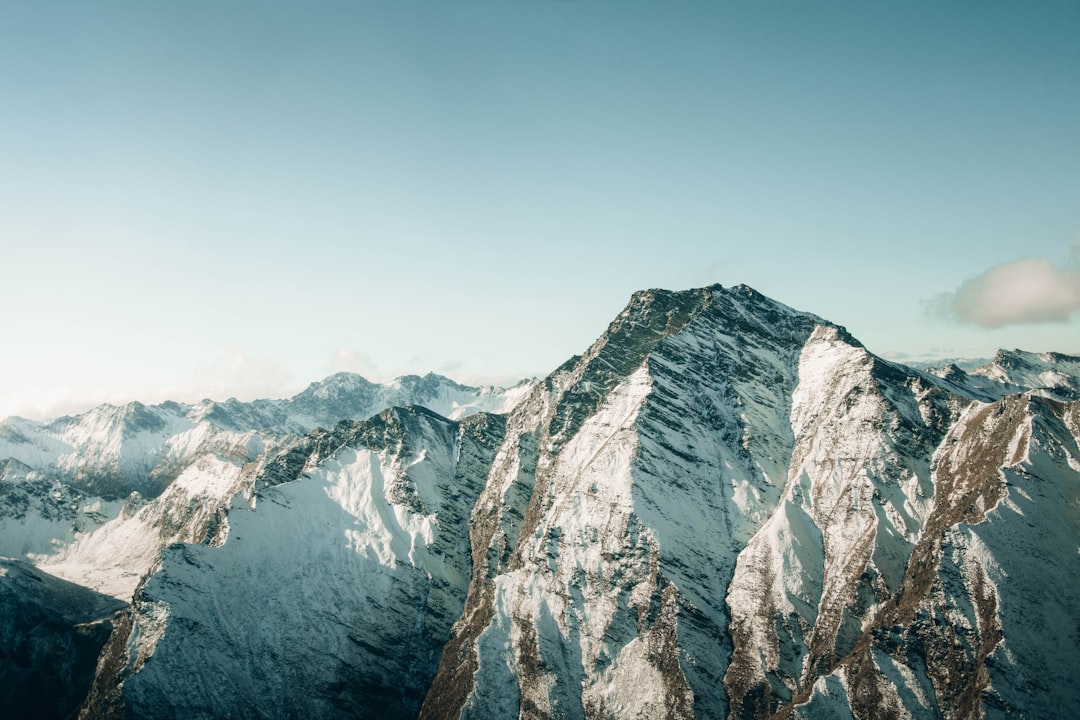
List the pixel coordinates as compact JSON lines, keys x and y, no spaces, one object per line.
{"x":135,"y":477}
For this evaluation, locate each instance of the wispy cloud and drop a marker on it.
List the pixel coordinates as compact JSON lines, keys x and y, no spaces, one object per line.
{"x":1026,"y":291}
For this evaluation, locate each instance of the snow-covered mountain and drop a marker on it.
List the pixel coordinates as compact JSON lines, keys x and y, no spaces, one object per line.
{"x":93,"y":498}
{"x":724,"y":508}
{"x":111,"y":450}
{"x":345,"y":578}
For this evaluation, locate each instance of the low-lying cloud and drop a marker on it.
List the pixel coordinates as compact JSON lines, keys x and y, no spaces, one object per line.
{"x":1026,"y":291}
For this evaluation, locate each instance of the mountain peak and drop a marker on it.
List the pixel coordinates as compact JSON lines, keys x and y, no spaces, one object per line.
{"x":429,"y":379}
{"x":723,"y":320}
{"x":1052,"y":374}
{"x":335,"y":385}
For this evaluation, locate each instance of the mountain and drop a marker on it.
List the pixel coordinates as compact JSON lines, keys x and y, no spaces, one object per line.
{"x":1052,"y":375}
{"x":349,"y":572}
{"x":93,"y":498}
{"x":724,"y":508}
{"x":111,"y":451}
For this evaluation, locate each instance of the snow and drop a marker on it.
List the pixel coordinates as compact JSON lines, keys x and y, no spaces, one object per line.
{"x":591,"y":506}
{"x":356,"y":480}
{"x":353,"y":571}
{"x":113,"y":558}
{"x":1024,"y":550}
{"x":129,"y":445}
{"x":192,"y":456}
{"x":1047,"y":374}
{"x":829,"y":700}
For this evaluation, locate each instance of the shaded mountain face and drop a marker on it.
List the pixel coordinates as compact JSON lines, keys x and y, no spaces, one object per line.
{"x":51,"y":633}
{"x":724,"y":508}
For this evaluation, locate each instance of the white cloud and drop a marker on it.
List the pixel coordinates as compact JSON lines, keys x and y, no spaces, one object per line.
{"x":1021,"y":292}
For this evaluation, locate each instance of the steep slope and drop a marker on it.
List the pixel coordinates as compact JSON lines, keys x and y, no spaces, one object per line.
{"x":660,"y":453}
{"x":984,"y":623}
{"x":332,"y":595}
{"x":859,"y":493}
{"x":51,"y":632}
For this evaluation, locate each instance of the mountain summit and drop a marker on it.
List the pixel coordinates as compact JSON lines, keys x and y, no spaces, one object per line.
{"x":723,"y":508}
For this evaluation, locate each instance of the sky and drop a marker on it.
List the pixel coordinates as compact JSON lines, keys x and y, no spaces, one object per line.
{"x":224,"y":198}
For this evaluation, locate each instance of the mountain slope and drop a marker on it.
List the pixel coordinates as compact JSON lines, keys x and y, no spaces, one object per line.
{"x":343,"y":581}
{"x":761,"y":456}
{"x":51,"y":633}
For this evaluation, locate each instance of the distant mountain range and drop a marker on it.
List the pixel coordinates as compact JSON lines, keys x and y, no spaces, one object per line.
{"x":95,"y":497}
{"x":724,"y":508}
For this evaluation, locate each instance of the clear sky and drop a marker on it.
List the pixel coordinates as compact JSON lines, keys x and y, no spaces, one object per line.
{"x":236,"y":198}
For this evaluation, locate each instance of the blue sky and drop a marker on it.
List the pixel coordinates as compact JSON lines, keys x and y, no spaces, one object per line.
{"x":236,"y":198}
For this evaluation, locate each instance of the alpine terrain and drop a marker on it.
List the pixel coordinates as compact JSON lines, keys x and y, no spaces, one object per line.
{"x":724,"y":508}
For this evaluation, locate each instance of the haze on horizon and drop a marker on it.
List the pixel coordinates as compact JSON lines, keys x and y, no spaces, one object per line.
{"x":238,"y":198}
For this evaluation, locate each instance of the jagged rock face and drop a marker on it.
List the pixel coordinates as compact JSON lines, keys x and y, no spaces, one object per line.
{"x":343,"y":583}
{"x":858,"y":489}
{"x":984,"y":624}
{"x":724,"y":508}
{"x":720,"y":447}
{"x":51,"y":633}
{"x":637,"y":515}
